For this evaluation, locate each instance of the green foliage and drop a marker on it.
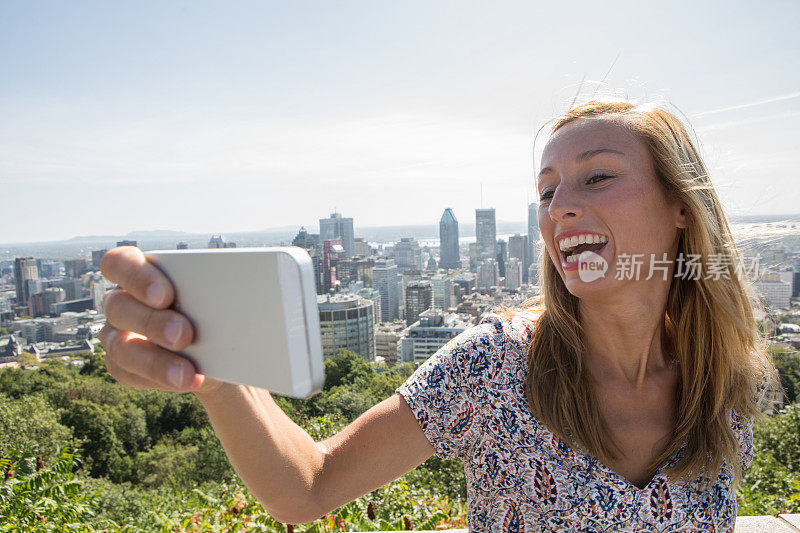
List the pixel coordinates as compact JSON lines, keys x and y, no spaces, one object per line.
{"x":772,"y":483}
{"x":4,"y":331}
{"x":788,"y":364}
{"x":30,"y":426}
{"x":44,"y":497}
{"x":346,"y":368}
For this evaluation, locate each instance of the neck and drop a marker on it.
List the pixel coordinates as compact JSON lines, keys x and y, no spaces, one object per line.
{"x":624,"y":337}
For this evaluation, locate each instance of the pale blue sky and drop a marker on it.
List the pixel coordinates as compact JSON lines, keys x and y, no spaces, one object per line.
{"x":236,"y":116}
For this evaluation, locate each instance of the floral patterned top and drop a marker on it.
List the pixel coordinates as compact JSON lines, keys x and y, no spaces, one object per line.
{"x":469,"y":401}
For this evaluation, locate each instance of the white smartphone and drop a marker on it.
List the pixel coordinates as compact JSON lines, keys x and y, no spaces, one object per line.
{"x":254,"y":312}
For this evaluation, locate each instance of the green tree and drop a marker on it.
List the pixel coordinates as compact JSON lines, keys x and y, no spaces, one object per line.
{"x":787,"y":362}
{"x":31,"y":426}
{"x":93,"y":425}
{"x":345,"y":369}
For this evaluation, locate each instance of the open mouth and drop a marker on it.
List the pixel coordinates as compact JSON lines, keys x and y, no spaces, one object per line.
{"x":577,"y":247}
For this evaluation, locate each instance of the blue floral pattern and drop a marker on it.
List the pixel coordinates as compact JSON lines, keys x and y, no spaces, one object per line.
{"x":469,"y":401}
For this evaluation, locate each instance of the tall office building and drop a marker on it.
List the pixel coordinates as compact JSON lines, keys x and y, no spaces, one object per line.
{"x":419,"y":298}
{"x":127,"y":243}
{"x":513,"y":273}
{"x":407,"y":254}
{"x":448,"y":241}
{"x":518,"y":248}
{"x":533,"y":232}
{"x":25,"y":271}
{"x":442,"y":290}
{"x":346,"y":322}
{"x":75,"y":268}
{"x":486,"y":234}
{"x":488,"y":274}
{"x":336,"y":227}
{"x":97,"y":255}
{"x":502,"y":255}
{"x":384,"y":278}
{"x":41,"y":303}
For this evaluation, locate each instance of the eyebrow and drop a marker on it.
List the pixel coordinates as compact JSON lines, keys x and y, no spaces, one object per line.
{"x":584,"y":156}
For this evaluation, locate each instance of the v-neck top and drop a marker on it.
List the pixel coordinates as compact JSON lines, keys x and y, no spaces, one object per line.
{"x":469,"y":400}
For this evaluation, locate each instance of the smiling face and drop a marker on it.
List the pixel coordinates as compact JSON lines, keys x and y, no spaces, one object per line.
{"x":599,"y":194}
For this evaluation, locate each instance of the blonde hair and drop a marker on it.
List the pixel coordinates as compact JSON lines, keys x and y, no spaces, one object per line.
{"x":710,"y":324}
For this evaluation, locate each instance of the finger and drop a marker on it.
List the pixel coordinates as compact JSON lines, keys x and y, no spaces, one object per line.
{"x":127,"y":378}
{"x":167,"y":370}
{"x":128,"y":267}
{"x":165,"y":327}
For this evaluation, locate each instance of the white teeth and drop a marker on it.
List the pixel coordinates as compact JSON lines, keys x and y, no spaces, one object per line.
{"x":571,"y":242}
{"x":583,"y":256}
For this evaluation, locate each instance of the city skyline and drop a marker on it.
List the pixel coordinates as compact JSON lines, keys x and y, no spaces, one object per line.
{"x":249,"y":117}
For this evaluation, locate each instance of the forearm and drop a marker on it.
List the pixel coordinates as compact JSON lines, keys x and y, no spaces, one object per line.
{"x":277,"y":460}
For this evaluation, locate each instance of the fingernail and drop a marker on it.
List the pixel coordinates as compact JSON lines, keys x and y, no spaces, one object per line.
{"x":172,"y":331}
{"x":176,"y":374}
{"x":156,"y":294}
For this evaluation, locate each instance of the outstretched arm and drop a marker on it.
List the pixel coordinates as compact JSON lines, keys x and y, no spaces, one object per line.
{"x":296,"y":479}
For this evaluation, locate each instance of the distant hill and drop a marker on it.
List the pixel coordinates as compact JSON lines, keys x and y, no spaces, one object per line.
{"x":281,"y":236}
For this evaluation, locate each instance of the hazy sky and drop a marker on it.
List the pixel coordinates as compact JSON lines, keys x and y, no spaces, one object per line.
{"x":236,"y":116}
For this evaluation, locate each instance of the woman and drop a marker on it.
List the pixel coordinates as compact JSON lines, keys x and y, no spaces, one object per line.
{"x":623,"y":402}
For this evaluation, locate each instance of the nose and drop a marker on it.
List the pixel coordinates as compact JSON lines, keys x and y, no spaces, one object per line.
{"x":565,"y":204}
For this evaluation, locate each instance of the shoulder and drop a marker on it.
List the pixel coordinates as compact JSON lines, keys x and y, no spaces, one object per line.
{"x":478,"y":354}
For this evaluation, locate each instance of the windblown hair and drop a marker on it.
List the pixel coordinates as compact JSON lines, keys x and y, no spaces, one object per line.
{"x":709,"y":323}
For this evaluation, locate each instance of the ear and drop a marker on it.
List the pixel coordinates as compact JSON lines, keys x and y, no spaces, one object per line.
{"x":680,"y":217}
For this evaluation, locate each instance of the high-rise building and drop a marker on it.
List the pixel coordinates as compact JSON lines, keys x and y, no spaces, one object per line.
{"x":419,"y":298}
{"x":361,"y":247}
{"x":356,"y":269}
{"x":513,"y":273}
{"x":488,"y":274}
{"x":183,"y":245}
{"x":502,"y":255}
{"x":25,"y":271}
{"x":127,"y":243}
{"x":346,"y":323}
{"x":75,"y":268}
{"x":485,"y":234}
{"x":375,"y":296}
{"x":384,"y":278}
{"x":518,"y":248}
{"x":533,"y":233}
{"x":407,"y":254}
{"x":337,"y":227}
{"x":306,"y":240}
{"x":448,"y":241}
{"x":442,"y":290}
{"x":41,"y":303}
{"x":97,"y":255}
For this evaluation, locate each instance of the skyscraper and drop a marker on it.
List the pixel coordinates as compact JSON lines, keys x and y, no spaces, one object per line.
{"x":448,"y":241}
{"x":384,"y":278}
{"x":486,"y":234}
{"x":533,"y":232}
{"x":407,"y":254}
{"x":25,"y":271}
{"x":518,"y":247}
{"x":488,"y":274}
{"x":337,"y":227}
{"x":419,"y":298}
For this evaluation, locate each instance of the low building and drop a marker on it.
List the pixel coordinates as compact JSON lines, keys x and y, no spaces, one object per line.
{"x":346,"y":323}
{"x":432,"y":331}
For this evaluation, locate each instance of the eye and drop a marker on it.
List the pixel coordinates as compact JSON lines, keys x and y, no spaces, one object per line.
{"x":597,"y":178}
{"x":546,"y":195}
